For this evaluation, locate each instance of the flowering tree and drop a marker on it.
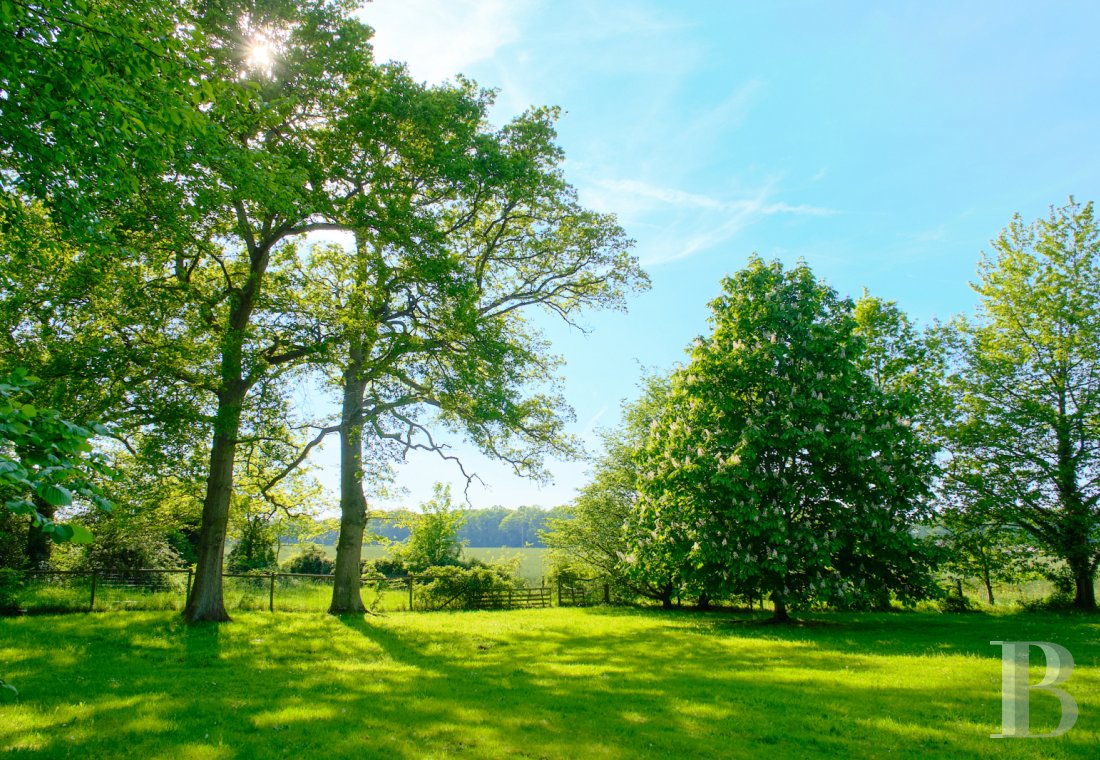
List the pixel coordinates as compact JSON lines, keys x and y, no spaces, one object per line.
{"x":780,"y":467}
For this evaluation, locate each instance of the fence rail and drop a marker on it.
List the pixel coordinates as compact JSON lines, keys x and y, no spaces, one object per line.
{"x":512,"y":599}
{"x":582,"y":592}
{"x":154,"y":588}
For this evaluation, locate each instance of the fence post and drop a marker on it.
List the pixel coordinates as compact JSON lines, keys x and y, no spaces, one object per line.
{"x":559,"y":591}
{"x":91,"y":604}
{"x":187,"y":589}
{"x":271,"y":595}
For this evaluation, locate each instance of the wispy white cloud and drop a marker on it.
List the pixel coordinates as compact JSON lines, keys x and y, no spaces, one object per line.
{"x":590,"y":427}
{"x":701,"y":221}
{"x":441,"y":38}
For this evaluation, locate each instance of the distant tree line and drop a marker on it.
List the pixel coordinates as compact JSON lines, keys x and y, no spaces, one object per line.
{"x":488,"y":527}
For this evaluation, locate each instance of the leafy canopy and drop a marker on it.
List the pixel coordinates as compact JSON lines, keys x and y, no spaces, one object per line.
{"x":45,"y":456}
{"x":778,"y":466}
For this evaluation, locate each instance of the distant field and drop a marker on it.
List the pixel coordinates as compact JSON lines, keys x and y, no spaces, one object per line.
{"x":533,"y":565}
{"x":610,"y":684}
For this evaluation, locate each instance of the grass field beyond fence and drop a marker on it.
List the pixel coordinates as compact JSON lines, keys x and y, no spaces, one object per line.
{"x":557,"y":683}
{"x":533,"y":562}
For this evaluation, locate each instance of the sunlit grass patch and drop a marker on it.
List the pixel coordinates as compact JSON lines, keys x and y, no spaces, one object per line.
{"x":602,"y":683}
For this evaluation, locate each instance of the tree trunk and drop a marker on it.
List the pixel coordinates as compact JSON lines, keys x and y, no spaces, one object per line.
{"x":1078,"y":522}
{"x":39,"y":544}
{"x":346,"y":595}
{"x":704,"y":601}
{"x":988,"y":586}
{"x":206,"y":603}
{"x":1085,"y":597}
{"x":780,"y":615}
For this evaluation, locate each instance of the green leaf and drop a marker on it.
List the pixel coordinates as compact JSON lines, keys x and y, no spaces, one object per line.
{"x":56,"y":495}
{"x":81,"y":535}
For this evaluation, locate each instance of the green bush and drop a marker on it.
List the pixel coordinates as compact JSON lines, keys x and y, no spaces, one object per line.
{"x":312,"y":561}
{"x":953,"y":602}
{"x":455,"y":587}
{"x":13,"y":539}
{"x":11,"y":583}
{"x":255,"y":549}
{"x":390,"y":567}
{"x":1059,"y":601}
{"x":123,"y":547}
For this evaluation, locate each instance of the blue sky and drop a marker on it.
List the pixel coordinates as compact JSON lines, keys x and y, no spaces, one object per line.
{"x":884,"y":143}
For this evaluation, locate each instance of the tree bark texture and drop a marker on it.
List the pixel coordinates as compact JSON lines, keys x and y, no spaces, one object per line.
{"x":206,"y":602}
{"x":346,"y":594}
{"x":781,"y":615}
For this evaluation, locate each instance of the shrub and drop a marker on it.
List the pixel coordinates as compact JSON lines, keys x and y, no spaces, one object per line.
{"x":11,"y":582}
{"x":1059,"y":601}
{"x":312,"y":561}
{"x":953,"y":602}
{"x":255,"y":550}
{"x":123,"y":547}
{"x":457,"y":587}
{"x":390,"y":567}
{"x":13,"y":539}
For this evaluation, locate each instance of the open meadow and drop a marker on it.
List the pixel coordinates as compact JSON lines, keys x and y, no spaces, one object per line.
{"x":554,"y":683}
{"x":534,"y":562}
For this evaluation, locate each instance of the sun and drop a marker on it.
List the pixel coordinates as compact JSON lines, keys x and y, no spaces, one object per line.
{"x":261,"y":54}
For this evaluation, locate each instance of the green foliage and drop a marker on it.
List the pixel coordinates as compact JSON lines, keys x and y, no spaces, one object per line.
{"x":312,"y":560}
{"x":588,"y":541}
{"x":390,"y":567}
{"x":123,"y":546}
{"x":954,"y":603}
{"x":433,"y":539}
{"x":48,"y":458}
{"x":101,"y":97}
{"x":1024,"y":446}
{"x":457,"y":587}
{"x":13,"y":540}
{"x":11,"y":583}
{"x":778,"y":466}
{"x":986,"y":552}
{"x":255,"y":549}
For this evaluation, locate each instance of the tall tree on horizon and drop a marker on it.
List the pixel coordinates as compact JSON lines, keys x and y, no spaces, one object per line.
{"x":1025,"y":445}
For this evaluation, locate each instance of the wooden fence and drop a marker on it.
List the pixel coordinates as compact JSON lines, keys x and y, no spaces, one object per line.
{"x":78,"y":591}
{"x":582,"y":592}
{"x":513,"y":599}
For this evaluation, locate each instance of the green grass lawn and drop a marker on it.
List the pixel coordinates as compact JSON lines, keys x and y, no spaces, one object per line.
{"x":557,"y":683}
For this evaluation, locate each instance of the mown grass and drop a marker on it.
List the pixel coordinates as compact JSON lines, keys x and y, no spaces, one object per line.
{"x":558,"y":683}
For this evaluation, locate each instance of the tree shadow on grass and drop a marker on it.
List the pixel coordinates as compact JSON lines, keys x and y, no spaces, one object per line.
{"x":598,"y":683}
